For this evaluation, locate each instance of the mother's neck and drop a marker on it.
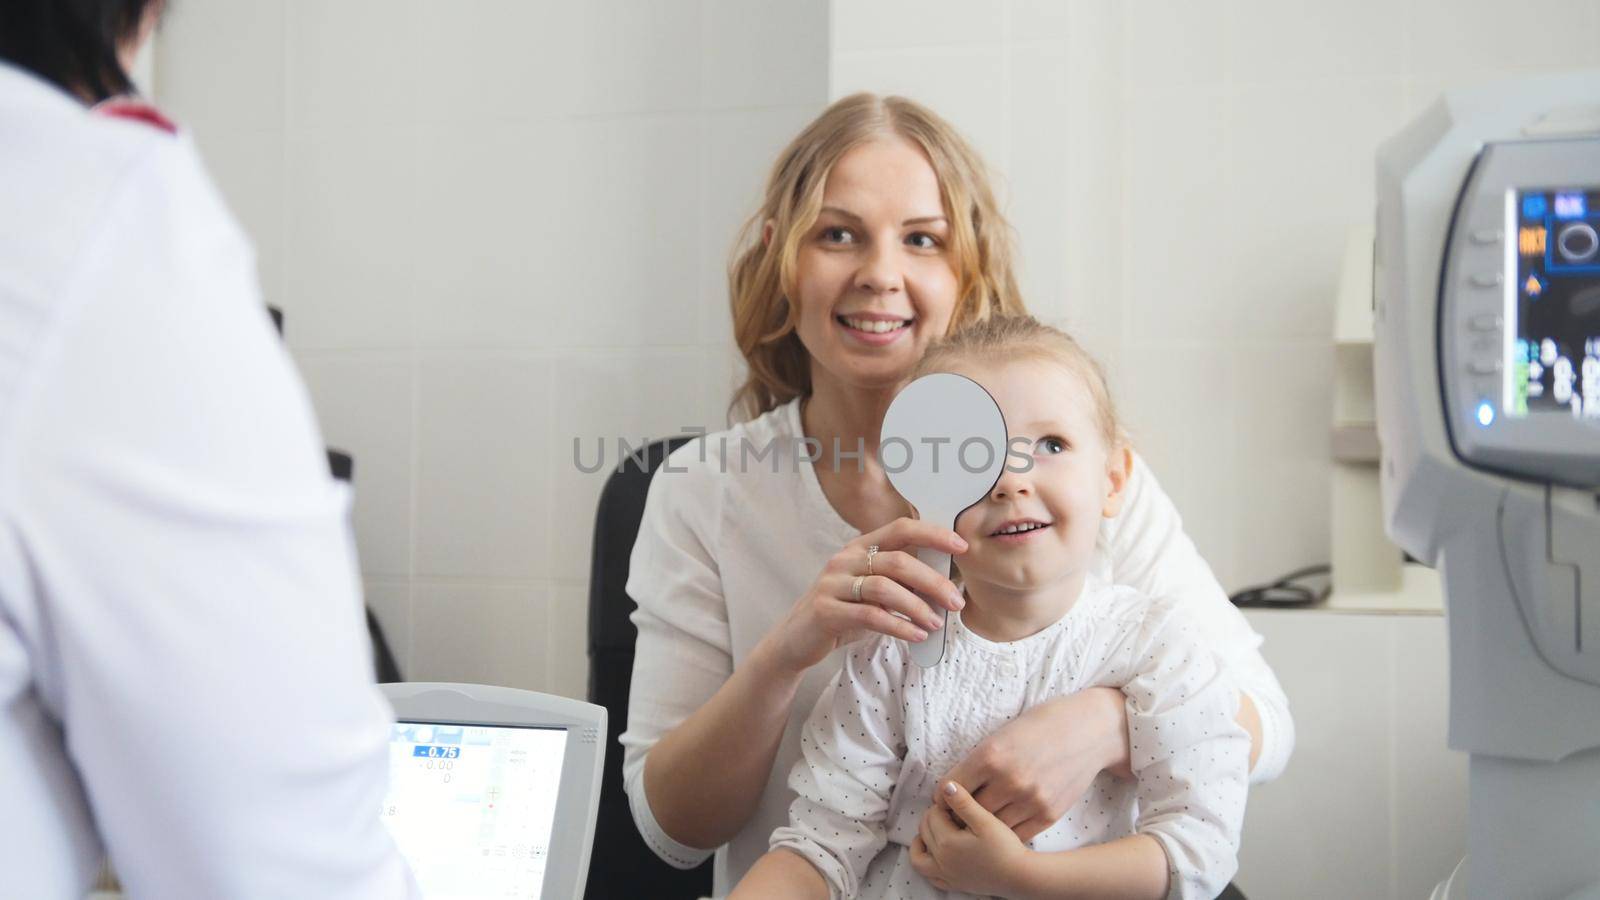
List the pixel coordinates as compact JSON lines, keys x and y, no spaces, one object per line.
{"x":849,"y":413}
{"x":858,"y":491}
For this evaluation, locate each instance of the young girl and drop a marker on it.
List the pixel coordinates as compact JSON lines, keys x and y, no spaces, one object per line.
{"x":1036,"y":626}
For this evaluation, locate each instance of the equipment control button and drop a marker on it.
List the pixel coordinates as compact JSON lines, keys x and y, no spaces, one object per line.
{"x":1578,"y":242}
{"x":1484,"y":366}
{"x":1487,"y":279}
{"x":1488,"y":236}
{"x":1486,"y":322}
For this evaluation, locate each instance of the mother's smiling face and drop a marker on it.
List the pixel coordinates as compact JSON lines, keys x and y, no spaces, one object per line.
{"x":875,"y":282}
{"x":877,"y":211}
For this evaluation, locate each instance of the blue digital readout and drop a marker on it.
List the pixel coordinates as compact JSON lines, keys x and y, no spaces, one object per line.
{"x":434,"y":751}
{"x":1569,"y":206}
{"x":1552,"y":367}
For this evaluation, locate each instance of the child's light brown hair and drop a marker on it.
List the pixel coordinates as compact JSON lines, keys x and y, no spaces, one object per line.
{"x":1005,"y":338}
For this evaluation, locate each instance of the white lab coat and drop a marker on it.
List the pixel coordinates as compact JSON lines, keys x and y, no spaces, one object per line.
{"x":184,"y":675}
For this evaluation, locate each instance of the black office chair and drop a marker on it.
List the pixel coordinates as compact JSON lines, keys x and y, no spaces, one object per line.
{"x":622,"y":867}
{"x":343,"y":467}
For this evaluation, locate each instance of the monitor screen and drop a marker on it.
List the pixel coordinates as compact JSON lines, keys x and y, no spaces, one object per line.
{"x":472,"y":806}
{"x":1552,"y":302}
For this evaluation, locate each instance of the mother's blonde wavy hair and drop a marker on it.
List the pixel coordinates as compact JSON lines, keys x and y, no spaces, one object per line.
{"x":762,"y":275}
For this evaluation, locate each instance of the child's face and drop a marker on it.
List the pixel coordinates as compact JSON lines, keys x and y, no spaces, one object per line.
{"x":1076,"y":480}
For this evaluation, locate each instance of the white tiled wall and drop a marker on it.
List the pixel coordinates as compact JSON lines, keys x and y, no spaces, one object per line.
{"x":1373,"y":804}
{"x":494,"y":226}
{"x":1182,"y":176}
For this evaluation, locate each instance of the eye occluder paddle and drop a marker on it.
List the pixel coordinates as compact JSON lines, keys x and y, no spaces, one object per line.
{"x":951,"y":440}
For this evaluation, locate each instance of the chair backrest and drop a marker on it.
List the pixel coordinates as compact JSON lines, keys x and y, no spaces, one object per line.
{"x":343,"y":467}
{"x":622,"y":866}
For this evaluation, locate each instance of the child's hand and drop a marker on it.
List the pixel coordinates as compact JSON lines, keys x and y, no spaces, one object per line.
{"x":984,"y":857}
{"x":1031,"y":771}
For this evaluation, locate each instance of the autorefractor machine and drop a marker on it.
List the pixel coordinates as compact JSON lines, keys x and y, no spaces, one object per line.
{"x":1486,"y":283}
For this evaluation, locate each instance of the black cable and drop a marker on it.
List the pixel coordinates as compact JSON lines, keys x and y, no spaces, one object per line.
{"x":1286,"y":591}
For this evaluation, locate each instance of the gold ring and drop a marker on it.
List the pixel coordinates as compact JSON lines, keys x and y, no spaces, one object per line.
{"x":855,"y":588}
{"x":871,"y":552}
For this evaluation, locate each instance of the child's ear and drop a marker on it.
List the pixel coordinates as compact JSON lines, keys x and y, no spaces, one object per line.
{"x":1119,"y":468}
{"x":768,"y":228}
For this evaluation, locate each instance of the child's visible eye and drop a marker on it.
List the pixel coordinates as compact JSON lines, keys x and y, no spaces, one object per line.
{"x":923,"y":241}
{"x":1051,"y":445}
{"x":836,"y":234}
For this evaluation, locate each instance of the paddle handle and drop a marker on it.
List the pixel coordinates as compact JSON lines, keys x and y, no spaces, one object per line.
{"x":928,"y":653}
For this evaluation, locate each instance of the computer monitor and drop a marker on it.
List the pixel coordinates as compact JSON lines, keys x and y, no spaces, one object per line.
{"x":493,"y":791}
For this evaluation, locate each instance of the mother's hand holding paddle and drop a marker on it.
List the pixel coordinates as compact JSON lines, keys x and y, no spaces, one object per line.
{"x":896,"y":580}
{"x":847,"y":602}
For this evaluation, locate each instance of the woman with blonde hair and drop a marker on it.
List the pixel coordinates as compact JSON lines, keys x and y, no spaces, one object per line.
{"x":766,"y":549}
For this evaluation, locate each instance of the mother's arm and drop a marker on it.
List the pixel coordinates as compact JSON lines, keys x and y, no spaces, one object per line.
{"x":1149,"y":550}
{"x":703,"y":735}
{"x":702,"y":780}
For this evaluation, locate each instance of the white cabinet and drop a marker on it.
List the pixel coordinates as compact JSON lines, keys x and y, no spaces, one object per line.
{"x":1373,"y":803}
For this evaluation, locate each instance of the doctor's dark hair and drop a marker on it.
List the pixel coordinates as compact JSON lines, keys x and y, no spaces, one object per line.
{"x":1007,"y":338}
{"x":73,"y":43}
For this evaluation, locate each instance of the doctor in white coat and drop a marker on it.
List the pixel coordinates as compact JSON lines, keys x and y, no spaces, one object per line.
{"x":184,"y":676}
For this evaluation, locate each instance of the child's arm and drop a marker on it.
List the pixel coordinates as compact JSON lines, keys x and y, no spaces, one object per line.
{"x":851,"y":752}
{"x":983,"y":856}
{"x":1130,"y":868}
{"x":781,"y":875}
{"x":1191,"y":756}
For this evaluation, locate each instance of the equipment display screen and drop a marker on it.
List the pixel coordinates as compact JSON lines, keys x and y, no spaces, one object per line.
{"x":1552,"y":302}
{"x":472,"y":807}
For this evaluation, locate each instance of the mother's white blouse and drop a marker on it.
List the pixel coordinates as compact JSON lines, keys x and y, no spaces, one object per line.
{"x":737,"y":527}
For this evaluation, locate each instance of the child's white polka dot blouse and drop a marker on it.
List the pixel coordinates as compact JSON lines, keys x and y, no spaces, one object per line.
{"x":885,"y":732}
